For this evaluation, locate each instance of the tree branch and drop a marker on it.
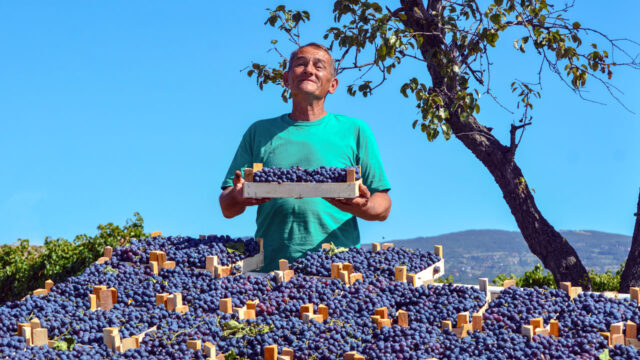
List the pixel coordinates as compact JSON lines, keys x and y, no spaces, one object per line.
{"x":513,"y":145}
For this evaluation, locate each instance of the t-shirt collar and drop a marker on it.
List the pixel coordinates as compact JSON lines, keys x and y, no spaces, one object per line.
{"x":288,"y":121}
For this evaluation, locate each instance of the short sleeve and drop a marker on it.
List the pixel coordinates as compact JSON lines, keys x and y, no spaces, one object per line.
{"x":373,"y":175}
{"x":242,"y":159}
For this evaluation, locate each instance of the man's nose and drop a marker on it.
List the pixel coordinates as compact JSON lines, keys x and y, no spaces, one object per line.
{"x":308,"y":69}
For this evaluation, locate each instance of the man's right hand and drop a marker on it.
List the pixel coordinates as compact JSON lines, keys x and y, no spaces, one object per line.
{"x":238,"y":186}
{"x":232,"y":201}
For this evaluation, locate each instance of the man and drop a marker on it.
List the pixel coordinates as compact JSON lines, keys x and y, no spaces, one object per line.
{"x":308,"y":137}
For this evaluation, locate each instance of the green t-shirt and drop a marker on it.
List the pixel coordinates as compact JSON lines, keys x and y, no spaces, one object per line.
{"x":290,"y":227}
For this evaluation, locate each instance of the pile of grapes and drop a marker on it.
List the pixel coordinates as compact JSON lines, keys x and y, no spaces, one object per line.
{"x":322,"y":174}
{"x":66,"y":313}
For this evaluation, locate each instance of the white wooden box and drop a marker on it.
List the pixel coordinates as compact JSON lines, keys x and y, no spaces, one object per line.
{"x":430,"y":272}
{"x":251,"y":263}
{"x":301,"y":190}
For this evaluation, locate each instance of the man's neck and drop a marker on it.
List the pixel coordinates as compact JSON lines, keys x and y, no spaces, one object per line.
{"x":305,"y":111}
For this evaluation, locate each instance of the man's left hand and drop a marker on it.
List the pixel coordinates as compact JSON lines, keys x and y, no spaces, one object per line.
{"x":354,"y":206}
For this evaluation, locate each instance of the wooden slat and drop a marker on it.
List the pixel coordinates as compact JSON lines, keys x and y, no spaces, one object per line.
{"x":48,"y":285}
{"x":438,"y":251}
{"x":226,"y":305}
{"x":351,"y":175}
{"x":271,"y":352}
{"x":283,"y":264}
{"x":248,"y":175}
{"x":401,"y":273}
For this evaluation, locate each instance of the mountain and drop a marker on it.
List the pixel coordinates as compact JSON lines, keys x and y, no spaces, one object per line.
{"x":486,"y":253}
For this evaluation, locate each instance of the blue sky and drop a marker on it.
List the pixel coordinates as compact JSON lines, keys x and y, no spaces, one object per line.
{"x":107,"y":108}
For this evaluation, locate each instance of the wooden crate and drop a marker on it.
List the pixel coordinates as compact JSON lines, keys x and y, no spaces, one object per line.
{"x":251,"y":263}
{"x":349,"y":189}
{"x":430,"y":273}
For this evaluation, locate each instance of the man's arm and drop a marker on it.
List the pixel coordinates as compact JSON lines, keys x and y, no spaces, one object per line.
{"x":232,"y":203}
{"x":366,"y":206}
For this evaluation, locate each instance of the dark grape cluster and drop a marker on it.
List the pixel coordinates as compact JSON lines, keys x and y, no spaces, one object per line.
{"x":65,"y":311}
{"x":580,"y":320}
{"x":371,"y":264}
{"x":516,"y":306}
{"x":322,"y":174}
{"x":189,"y":251}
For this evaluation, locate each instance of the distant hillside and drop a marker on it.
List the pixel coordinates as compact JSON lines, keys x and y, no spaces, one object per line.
{"x":486,"y":253}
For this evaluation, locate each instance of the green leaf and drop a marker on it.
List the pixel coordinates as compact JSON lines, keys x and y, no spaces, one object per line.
{"x":576,"y":25}
{"x":65,"y":345}
{"x":382,"y":51}
{"x":432,"y":133}
{"x":403,"y":90}
{"x":109,"y":270}
{"x":237,"y":247}
{"x":495,"y":19}
{"x":231,"y":325}
{"x":335,"y":250}
{"x":446,"y":131}
{"x":604,"y":355}
{"x":233,"y":328}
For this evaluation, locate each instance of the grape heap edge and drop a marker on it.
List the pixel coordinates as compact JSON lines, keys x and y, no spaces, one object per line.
{"x":65,"y":311}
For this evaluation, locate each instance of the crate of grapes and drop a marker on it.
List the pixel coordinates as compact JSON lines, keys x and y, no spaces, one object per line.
{"x":301,"y":183}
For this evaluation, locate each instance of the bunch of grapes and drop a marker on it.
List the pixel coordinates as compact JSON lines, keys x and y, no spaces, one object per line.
{"x":189,"y":251}
{"x":322,"y":174}
{"x":579,"y":330}
{"x":516,"y":306}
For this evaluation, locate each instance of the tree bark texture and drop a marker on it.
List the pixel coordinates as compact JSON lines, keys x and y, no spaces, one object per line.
{"x":543,"y":240}
{"x":631,"y":273}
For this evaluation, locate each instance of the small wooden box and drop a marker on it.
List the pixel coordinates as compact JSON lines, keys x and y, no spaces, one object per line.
{"x":251,"y":189}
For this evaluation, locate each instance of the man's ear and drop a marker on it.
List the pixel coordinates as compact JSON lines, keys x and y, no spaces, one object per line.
{"x":333,"y":86}
{"x":285,"y":78}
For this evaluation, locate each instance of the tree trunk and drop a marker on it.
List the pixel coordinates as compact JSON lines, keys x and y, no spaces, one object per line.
{"x":631,"y":273}
{"x":543,"y":240}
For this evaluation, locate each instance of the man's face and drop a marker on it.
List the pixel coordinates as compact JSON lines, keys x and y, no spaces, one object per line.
{"x":310,"y":74}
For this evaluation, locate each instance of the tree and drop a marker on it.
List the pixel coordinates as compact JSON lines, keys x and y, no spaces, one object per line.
{"x":453,"y":39}
{"x":631,"y":273}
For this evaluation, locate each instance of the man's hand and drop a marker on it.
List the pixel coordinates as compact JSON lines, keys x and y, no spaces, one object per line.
{"x":352,"y":205}
{"x":238,"y":186}
{"x":365,"y":206}
{"x":232,"y":202}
